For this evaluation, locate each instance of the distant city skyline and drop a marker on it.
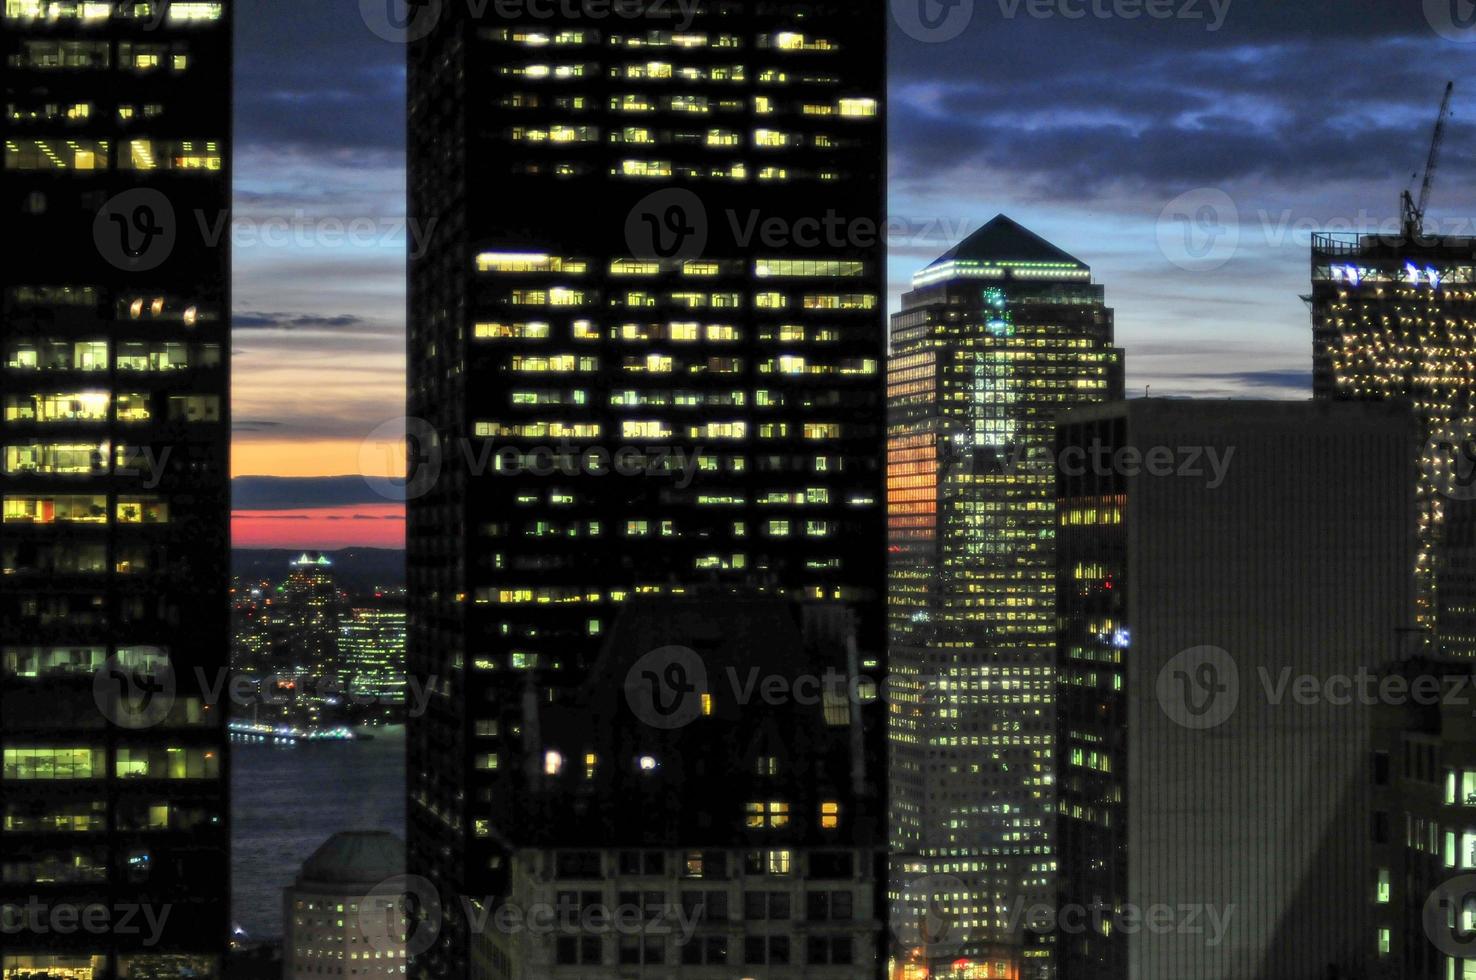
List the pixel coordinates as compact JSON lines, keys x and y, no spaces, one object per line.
{"x":1243,"y":110}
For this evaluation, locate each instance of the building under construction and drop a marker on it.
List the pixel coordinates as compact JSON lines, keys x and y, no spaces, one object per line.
{"x":1394,"y":317}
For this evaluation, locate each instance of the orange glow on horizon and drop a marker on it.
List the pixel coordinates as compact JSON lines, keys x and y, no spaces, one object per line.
{"x":325,"y":457}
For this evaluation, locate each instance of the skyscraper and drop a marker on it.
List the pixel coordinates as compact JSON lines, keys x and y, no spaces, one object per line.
{"x":371,"y":653}
{"x":311,"y":608}
{"x":646,"y":354}
{"x":996,"y":339}
{"x":1233,"y":578}
{"x":1395,"y":317}
{"x":114,"y":341}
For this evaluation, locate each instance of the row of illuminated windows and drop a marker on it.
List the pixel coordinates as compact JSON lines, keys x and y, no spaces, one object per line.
{"x":665,"y":70}
{"x":561,"y":296}
{"x":90,"y":762}
{"x":70,"y":459}
{"x":39,"y":662}
{"x":536,"y":38}
{"x":1092,"y":759}
{"x":140,"y":58}
{"x":1090,"y":516}
{"x":92,"y":355}
{"x":96,"y":406}
{"x":642,"y":136}
{"x":687,"y":332}
{"x":93,"y":155}
{"x":641,"y":169}
{"x":764,"y":268}
{"x":92,"y":816}
{"x":101,"y":11}
{"x":637,"y":102}
{"x":509,"y":460}
{"x":655,"y":429}
{"x":83,"y":509}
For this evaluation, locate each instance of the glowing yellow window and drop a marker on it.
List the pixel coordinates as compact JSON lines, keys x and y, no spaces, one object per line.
{"x":829,"y":815}
{"x":141,"y":155}
{"x":766,"y":815}
{"x":142,"y":510}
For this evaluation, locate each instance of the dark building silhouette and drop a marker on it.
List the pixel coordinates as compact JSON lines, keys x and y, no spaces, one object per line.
{"x":114,"y":347}
{"x":1196,"y":771}
{"x":1455,"y":571}
{"x":1424,"y":790}
{"x":647,"y":346}
{"x":749,"y":797}
{"x":998,"y":337}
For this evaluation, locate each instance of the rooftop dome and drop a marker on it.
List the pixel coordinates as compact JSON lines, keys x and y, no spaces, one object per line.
{"x":356,"y":857}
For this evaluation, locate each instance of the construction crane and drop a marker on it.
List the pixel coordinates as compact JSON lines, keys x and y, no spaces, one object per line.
{"x":1414,"y":211}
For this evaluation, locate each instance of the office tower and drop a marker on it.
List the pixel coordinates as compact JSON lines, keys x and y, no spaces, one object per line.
{"x":1394,"y":318}
{"x":1227,"y":573}
{"x":114,"y":336}
{"x":736,"y":830}
{"x":1455,"y":571}
{"x":646,"y":345}
{"x":996,"y":339}
{"x":371,"y":653}
{"x":1424,"y":779}
{"x":310,"y":611}
{"x":251,"y":627}
{"x":340,"y":917}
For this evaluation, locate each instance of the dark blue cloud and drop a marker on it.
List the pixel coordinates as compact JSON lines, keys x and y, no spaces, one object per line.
{"x":297,"y":493}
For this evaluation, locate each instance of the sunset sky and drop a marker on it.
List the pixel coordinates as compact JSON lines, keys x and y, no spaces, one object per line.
{"x":1096,"y":132}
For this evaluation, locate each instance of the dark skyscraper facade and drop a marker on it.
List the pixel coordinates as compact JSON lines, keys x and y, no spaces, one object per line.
{"x":646,"y":355}
{"x":1212,"y":558}
{"x":114,"y":342}
{"x":995,"y":341}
